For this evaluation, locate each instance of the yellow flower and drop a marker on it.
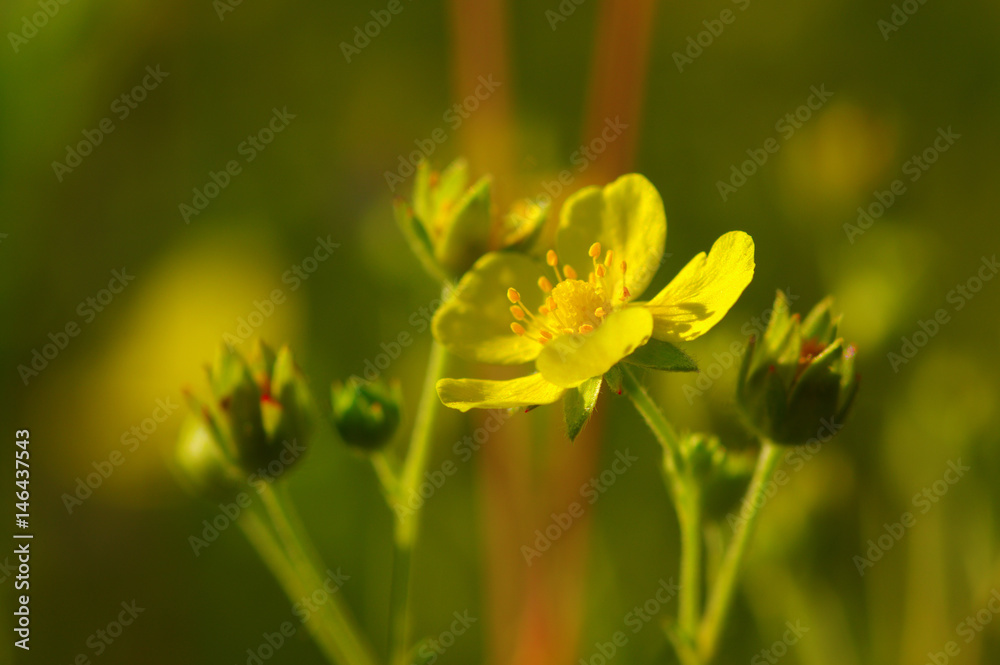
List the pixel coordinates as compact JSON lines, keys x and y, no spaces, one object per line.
{"x":576,"y":318}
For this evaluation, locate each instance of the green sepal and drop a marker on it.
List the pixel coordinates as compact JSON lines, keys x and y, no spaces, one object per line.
{"x":466,"y":235}
{"x":417,"y":238}
{"x":613,"y":377}
{"x":664,"y":356}
{"x":579,"y":403}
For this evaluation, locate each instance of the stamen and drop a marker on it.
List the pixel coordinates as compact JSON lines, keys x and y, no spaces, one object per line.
{"x":517,"y":312}
{"x":551,"y":302}
{"x":609,"y":258}
{"x":601,"y":271}
{"x":513,"y":295}
{"x":599,"y":312}
{"x":569,"y":272}
{"x":595,"y":250}
{"x":553,"y":260}
{"x":586,"y":328}
{"x":518,"y":329}
{"x":543,"y":310}
{"x":544,"y":284}
{"x":625,"y":293}
{"x":545,"y":333}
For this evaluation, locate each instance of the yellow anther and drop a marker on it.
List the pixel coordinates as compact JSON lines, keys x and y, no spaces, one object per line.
{"x":544,"y":284}
{"x":609,"y":258}
{"x":543,"y":310}
{"x":513,"y":295}
{"x":569,"y":272}
{"x":545,"y":333}
{"x":517,"y":312}
{"x":595,"y":250}
{"x":552,"y":258}
{"x":517,"y":328}
{"x":601,"y":271}
{"x":551,"y":302}
{"x":624,"y":267}
{"x":586,"y":328}
{"x":599,"y":312}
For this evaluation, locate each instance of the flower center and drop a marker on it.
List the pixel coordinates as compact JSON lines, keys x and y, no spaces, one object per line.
{"x":573,"y":305}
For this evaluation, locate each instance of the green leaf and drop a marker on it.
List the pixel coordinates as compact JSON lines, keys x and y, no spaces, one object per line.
{"x":579,"y":403}
{"x":656,"y":354}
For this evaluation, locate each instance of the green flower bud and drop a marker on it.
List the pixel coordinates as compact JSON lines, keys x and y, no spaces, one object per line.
{"x":366,"y":414}
{"x":258,"y":403}
{"x":798,"y":378}
{"x":450,"y":223}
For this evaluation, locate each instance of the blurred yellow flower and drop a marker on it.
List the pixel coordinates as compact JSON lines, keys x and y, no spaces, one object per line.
{"x":506,"y":311}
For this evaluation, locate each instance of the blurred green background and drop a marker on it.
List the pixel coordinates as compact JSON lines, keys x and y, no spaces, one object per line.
{"x":323,"y":176}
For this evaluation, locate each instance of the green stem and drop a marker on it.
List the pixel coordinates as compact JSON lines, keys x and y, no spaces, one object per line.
{"x":724,"y":589}
{"x":291,"y":580}
{"x":689,"y":611}
{"x":661,"y":427}
{"x":686,"y":493}
{"x":334,"y":629}
{"x":407,"y":512}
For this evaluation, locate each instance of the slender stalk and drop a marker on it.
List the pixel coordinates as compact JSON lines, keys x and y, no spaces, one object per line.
{"x":292,"y":582}
{"x":686,"y":493}
{"x":661,"y":427}
{"x":724,"y":589}
{"x":689,"y":611}
{"x":336,"y":630}
{"x":407,"y":512}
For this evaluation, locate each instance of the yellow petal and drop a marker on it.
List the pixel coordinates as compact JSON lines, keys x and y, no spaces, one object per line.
{"x":626,"y":217}
{"x":701,"y":294}
{"x":569,"y":360}
{"x":465,"y":394}
{"x":475,"y":322}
